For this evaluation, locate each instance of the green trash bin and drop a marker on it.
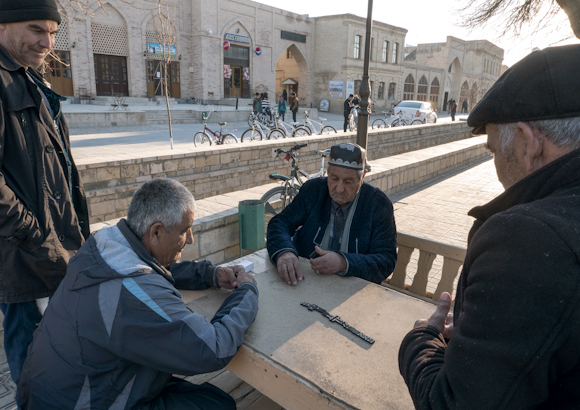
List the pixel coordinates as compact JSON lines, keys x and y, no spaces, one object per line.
{"x":251,"y":217}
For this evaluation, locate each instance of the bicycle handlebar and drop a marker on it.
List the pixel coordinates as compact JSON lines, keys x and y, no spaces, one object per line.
{"x":292,"y":150}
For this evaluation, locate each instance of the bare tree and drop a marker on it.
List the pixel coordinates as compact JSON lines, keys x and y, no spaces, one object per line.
{"x":167,"y":38}
{"x":513,"y":15}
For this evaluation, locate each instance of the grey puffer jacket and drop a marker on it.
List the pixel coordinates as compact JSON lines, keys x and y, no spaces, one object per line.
{"x":40,"y":229}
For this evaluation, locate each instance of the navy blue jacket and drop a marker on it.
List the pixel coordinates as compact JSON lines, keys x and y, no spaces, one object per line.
{"x":116,"y":330}
{"x":372,"y":247}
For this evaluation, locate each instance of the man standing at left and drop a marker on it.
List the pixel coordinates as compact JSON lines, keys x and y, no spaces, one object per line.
{"x":43,"y":210}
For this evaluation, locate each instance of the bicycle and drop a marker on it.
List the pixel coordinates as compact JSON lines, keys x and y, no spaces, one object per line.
{"x":280,"y":197}
{"x":294,"y":129}
{"x":219,"y":137}
{"x":402,"y":121}
{"x":380,"y":123}
{"x":324,"y":129}
{"x":352,"y":125}
{"x":259,"y":131}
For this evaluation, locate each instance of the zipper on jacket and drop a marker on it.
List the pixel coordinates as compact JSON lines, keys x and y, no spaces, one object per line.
{"x":23,"y":119}
{"x":356,"y":245}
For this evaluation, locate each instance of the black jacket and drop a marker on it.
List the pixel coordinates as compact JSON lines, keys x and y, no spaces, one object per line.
{"x":347,"y":107}
{"x":39,"y":228}
{"x":516,"y":342}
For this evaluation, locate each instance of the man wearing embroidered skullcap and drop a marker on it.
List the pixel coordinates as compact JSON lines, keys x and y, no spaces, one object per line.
{"x":344,"y":225}
{"x":43,"y":210}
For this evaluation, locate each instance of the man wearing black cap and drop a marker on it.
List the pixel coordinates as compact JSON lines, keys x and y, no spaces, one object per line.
{"x":43,"y":211}
{"x":514,"y":340}
{"x":344,"y":225}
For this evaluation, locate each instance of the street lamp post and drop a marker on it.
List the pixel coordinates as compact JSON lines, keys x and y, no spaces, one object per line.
{"x":365,"y":89}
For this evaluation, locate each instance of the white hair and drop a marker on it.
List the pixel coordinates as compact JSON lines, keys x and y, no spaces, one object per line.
{"x":564,"y":133}
{"x":161,"y":200}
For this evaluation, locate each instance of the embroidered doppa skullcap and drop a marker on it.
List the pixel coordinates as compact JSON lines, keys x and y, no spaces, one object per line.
{"x":347,"y":155}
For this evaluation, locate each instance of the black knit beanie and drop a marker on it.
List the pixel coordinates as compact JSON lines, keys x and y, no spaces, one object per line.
{"x":12,"y":11}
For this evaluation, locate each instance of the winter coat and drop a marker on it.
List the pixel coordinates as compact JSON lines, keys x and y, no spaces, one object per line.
{"x":372,"y":245}
{"x":117,"y":328}
{"x":281,"y":106}
{"x":516,"y":342}
{"x":40,"y":230}
{"x":293,"y":103}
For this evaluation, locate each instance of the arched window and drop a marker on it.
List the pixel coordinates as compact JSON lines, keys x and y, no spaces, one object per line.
{"x":422,"y":89}
{"x":409,"y":88}
{"x":450,"y":65}
{"x":434,"y":97}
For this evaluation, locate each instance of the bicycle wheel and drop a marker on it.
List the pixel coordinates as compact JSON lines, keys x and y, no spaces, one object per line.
{"x":301,"y":131}
{"x":201,"y":138}
{"x":352,"y":125}
{"x":251,"y":135}
{"x":327,"y":130}
{"x":275,"y":134}
{"x":379,"y":123}
{"x":229,"y":139}
{"x":398,"y":123}
{"x":417,"y":122}
{"x":276,"y":199}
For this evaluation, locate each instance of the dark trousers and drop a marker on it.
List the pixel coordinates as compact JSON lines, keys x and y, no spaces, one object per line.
{"x":182,"y":395}
{"x":294,"y":115}
{"x":452,"y":115}
{"x":282,"y":114}
{"x":345,"y":122}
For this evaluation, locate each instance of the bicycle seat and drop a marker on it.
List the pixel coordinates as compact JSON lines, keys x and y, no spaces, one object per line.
{"x":222,"y":124}
{"x":322,"y":119}
{"x":323,"y":153}
{"x":305,"y":112}
{"x":295,"y":123}
{"x":386,"y":112}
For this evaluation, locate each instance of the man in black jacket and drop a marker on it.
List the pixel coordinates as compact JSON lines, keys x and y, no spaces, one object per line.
{"x":347,"y":108}
{"x":43,"y":210}
{"x":514,"y":340}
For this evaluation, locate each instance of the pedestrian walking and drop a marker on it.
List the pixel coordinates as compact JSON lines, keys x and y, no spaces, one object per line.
{"x":464,"y":107}
{"x":347,"y":109}
{"x":259,"y":103}
{"x":255,"y":103}
{"x":452,"y":109}
{"x":285,"y":95}
{"x":43,"y":211}
{"x":294,"y":105}
{"x":281,"y":106}
{"x":266,"y":106}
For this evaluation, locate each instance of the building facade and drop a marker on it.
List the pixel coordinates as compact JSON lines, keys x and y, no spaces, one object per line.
{"x":458,"y":69}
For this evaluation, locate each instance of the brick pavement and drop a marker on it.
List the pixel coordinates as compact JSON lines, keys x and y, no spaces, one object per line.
{"x":436,"y":209}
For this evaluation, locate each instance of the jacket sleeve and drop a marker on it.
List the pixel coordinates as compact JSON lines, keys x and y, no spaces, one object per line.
{"x":511,"y":337}
{"x":283,"y":226}
{"x":379,"y":262}
{"x":17,"y":224}
{"x":179,"y":341}
{"x":193,"y":275}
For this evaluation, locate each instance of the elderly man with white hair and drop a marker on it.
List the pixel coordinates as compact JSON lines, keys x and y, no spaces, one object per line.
{"x":514,"y":339}
{"x":117,"y":329}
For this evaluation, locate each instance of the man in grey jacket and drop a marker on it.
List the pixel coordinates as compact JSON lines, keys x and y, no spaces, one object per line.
{"x":117,"y":329}
{"x":43,"y":210}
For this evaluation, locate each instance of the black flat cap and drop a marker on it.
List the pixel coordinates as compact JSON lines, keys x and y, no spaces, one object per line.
{"x":348,"y":155}
{"x":13,"y":11}
{"x":544,"y":85}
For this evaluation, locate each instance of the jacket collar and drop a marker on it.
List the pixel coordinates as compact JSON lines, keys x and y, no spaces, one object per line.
{"x":561,"y":173}
{"x":7,"y":62}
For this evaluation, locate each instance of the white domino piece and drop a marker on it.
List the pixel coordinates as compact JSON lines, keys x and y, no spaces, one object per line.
{"x":248,"y":265}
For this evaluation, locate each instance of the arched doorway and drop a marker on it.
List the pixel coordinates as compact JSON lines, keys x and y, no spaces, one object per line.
{"x":464,"y":95}
{"x":473,"y":94}
{"x":292,"y":74}
{"x":434,"y":94}
{"x":409,"y":88}
{"x":422,"y":89}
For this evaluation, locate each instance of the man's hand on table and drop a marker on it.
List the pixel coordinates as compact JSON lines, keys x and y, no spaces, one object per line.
{"x":289,"y":268}
{"x":442,"y":320}
{"x":230,"y":277}
{"x":328,"y":263}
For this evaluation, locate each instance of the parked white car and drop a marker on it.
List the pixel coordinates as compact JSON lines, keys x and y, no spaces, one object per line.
{"x":412,"y":111}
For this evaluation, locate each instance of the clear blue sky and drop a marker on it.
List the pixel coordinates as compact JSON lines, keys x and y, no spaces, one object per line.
{"x":431,"y":21}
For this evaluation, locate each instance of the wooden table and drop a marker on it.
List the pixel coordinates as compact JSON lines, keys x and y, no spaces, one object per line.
{"x":301,"y":360}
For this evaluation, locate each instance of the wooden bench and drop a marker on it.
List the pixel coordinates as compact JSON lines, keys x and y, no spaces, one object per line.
{"x":453,"y":257}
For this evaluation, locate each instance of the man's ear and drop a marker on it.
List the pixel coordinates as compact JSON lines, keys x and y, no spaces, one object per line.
{"x":154,"y":232}
{"x":533,"y":145}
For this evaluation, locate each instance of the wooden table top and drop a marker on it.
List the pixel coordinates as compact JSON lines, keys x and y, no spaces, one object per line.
{"x":320,"y":353}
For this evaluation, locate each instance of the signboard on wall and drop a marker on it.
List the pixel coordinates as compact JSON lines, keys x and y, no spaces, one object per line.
{"x":157,"y":49}
{"x":349,"y":88}
{"x":323,"y":106}
{"x":336,"y":89}
{"x":288,"y":35}
{"x":236,"y":38}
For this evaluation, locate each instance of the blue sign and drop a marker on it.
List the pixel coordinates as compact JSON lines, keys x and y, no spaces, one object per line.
{"x":236,"y":38}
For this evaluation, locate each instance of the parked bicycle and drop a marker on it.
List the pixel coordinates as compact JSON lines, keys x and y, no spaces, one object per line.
{"x":382,"y":123}
{"x":293,"y":129}
{"x":402,"y":121}
{"x":352,"y":125}
{"x":323,"y":129}
{"x":209,"y":136}
{"x":278,"y":198}
{"x":260,"y":131}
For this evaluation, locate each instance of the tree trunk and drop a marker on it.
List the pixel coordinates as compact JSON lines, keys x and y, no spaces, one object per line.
{"x":167,"y":102}
{"x":572,"y":9}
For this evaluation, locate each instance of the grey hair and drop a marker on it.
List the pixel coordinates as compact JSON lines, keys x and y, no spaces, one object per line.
{"x":161,"y":200}
{"x":565,"y":133}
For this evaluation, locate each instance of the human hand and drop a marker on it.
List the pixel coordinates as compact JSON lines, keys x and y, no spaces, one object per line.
{"x":442,"y":320}
{"x":230,"y":277}
{"x":289,"y":268}
{"x":328,"y":263}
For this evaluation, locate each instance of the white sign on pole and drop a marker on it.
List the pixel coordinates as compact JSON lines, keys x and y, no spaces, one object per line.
{"x":349,"y":88}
